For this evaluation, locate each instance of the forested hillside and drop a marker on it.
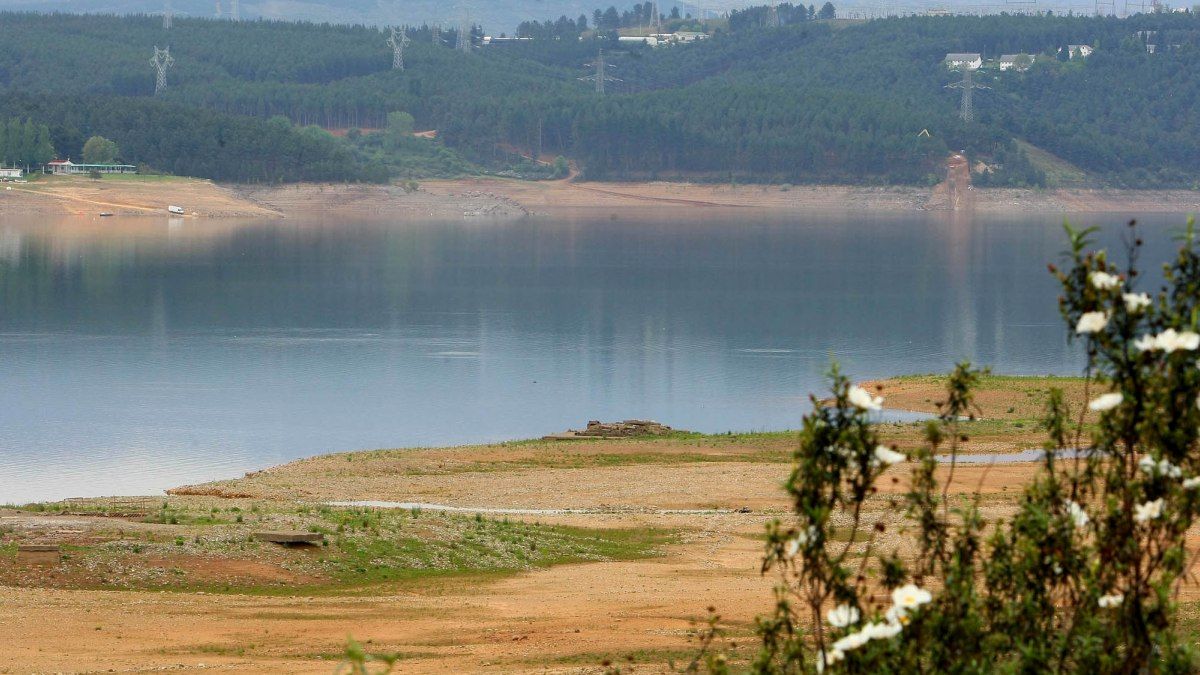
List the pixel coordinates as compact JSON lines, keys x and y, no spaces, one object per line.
{"x":811,"y":100}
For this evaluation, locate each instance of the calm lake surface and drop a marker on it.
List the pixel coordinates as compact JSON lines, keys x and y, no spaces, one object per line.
{"x":137,"y":355}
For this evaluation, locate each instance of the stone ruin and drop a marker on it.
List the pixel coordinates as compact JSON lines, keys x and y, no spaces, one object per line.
{"x":626,"y":429}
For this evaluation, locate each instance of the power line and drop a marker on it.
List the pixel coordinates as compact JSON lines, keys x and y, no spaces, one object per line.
{"x":398,"y":41}
{"x":463,"y":44}
{"x":161,"y":61}
{"x":968,"y":87}
{"x":601,"y":75}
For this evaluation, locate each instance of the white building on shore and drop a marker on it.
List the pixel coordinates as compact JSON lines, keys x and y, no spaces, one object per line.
{"x":65,"y":167}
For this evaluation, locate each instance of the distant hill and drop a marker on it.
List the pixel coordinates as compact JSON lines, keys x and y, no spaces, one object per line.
{"x":494,"y":15}
{"x":808,"y":101}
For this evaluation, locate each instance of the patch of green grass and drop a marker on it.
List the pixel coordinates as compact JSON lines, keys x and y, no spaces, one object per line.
{"x":365,"y":548}
{"x":596,"y":460}
{"x":144,"y":178}
{"x":381,"y":547}
{"x":1059,"y":172}
{"x":993,"y":381}
{"x":678,"y":656}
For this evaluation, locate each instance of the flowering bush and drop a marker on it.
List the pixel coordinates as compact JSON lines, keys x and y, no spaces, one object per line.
{"x":1083,"y":577}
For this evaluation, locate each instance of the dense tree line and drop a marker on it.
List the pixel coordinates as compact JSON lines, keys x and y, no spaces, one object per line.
{"x":25,"y":143}
{"x":192,"y":141}
{"x":804,"y":101}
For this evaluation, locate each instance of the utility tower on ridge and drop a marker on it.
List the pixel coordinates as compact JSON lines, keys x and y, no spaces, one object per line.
{"x":464,"y":35}
{"x":968,"y":87}
{"x":161,"y":61}
{"x":168,"y":19}
{"x":218,"y":9}
{"x":773,"y":19}
{"x":398,"y":41}
{"x":601,"y":75}
{"x":235,"y":12}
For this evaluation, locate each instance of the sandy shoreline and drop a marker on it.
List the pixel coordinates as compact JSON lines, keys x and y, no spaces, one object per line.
{"x":95,"y":613}
{"x":494,"y":198}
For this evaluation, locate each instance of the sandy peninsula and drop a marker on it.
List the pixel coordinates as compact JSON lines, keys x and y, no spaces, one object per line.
{"x":567,"y":553}
{"x":507,"y":199}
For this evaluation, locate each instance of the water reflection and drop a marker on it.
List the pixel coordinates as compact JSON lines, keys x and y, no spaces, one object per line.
{"x":139,"y":354}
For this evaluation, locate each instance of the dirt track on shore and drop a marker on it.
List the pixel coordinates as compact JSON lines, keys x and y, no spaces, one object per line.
{"x":492,"y":198}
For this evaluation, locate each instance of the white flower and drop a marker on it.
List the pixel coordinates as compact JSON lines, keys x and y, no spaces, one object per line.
{"x":829,"y":659}
{"x":1162,"y":467}
{"x":1078,"y":515}
{"x":910,"y":597}
{"x":1145,"y":343}
{"x":1148,"y":511}
{"x":1136,"y":302}
{"x":1111,"y":600}
{"x":801,"y":539}
{"x":1148,"y":465}
{"x":852,"y":641}
{"x":887,"y":457}
{"x":897,"y":615}
{"x":882,"y":631}
{"x":1169,"y":470}
{"x":1106,"y":402}
{"x":842,"y":616}
{"x":1191,"y":483}
{"x":1169,"y":341}
{"x":1091,"y":322}
{"x":1104,"y":281}
{"x":861,"y":398}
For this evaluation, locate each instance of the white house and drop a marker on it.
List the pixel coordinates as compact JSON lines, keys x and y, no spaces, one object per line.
{"x":1017,"y":62}
{"x":9,"y":174}
{"x":643,"y":39}
{"x":1081,"y":51}
{"x":488,"y":40}
{"x":961,"y":61}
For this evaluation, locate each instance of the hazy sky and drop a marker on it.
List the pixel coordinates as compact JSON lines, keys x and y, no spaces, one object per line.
{"x":503,"y":15}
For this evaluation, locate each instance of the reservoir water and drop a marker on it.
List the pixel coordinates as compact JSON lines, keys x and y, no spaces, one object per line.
{"x":139,"y":354}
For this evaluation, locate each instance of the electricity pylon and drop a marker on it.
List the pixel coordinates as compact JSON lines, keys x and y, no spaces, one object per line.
{"x":161,"y":61}
{"x":235,"y":12}
{"x":464,"y":35}
{"x":601,"y":76}
{"x":968,"y":87}
{"x":398,"y":41}
{"x":167,"y":18}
